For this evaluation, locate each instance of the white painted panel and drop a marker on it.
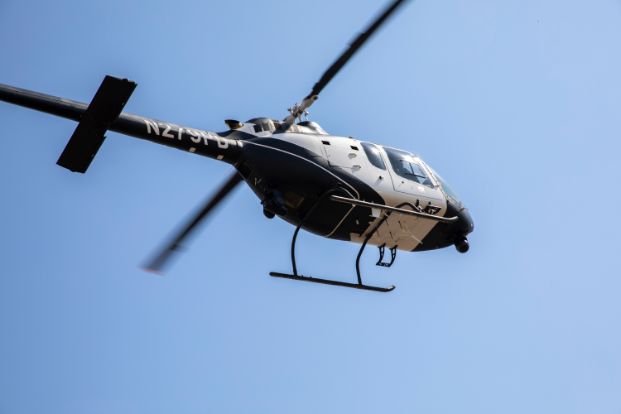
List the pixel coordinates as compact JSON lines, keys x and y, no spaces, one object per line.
{"x":340,"y":153}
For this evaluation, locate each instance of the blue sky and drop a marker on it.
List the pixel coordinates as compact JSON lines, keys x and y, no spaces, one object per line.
{"x":516,"y":103}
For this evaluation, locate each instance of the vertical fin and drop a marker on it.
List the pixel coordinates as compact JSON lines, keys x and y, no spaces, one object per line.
{"x":88,"y":136}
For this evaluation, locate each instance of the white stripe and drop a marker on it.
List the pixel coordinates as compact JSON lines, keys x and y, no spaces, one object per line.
{"x":323,"y":168}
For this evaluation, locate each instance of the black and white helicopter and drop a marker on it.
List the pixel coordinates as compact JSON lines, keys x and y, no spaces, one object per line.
{"x":334,"y":186}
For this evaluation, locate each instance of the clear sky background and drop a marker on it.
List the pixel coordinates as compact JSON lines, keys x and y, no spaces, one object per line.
{"x":516,"y":103}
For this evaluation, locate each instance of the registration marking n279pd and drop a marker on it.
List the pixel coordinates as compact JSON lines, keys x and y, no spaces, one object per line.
{"x":172,"y":131}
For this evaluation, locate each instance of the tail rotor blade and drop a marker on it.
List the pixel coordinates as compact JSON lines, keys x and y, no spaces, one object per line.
{"x":175,"y":243}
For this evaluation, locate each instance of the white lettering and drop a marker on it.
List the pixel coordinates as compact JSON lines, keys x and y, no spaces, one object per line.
{"x":195,"y":137}
{"x":166,"y":131}
{"x":222,"y":143}
{"x":204,"y":135}
{"x":151,"y":126}
{"x":179,"y":133}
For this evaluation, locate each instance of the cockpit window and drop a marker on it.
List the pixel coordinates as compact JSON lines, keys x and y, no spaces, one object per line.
{"x":447,"y":188}
{"x":406,"y":166}
{"x":373,"y":154}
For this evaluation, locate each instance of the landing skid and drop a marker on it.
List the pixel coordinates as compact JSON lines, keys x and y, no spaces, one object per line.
{"x":332,"y":282}
{"x":359,"y":284}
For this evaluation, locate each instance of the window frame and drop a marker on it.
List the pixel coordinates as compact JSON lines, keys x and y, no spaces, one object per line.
{"x":415,"y":165}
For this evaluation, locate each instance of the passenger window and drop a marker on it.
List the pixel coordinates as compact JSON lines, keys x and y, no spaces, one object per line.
{"x":373,"y":154}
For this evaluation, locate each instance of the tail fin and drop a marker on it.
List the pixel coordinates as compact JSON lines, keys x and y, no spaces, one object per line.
{"x":88,"y":136}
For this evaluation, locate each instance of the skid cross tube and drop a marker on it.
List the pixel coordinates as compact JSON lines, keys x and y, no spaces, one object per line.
{"x":364,"y":244}
{"x":295,"y":275}
{"x":301,"y":223}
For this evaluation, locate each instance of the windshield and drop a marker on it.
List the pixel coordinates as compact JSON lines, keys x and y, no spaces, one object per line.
{"x":447,"y":188}
{"x":406,"y":166}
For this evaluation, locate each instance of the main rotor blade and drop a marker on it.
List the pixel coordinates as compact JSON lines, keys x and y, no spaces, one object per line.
{"x":175,"y":244}
{"x":327,"y":76}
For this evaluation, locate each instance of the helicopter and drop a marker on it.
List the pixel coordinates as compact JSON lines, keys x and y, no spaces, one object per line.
{"x":334,"y":186}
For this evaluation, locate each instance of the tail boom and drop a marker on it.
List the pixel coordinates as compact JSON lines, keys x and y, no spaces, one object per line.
{"x":104,"y":113}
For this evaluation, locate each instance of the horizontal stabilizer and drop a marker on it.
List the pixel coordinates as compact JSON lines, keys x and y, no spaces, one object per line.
{"x":88,"y":136}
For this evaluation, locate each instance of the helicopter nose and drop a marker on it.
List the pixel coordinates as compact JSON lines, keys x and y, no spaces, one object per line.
{"x":465,"y":220}
{"x":463,"y":227}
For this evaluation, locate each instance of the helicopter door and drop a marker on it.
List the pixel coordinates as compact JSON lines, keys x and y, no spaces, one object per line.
{"x":342,"y":152}
{"x":362,"y":159}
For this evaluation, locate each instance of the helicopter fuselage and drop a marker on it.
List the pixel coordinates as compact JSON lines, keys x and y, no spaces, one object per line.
{"x":289,"y":170}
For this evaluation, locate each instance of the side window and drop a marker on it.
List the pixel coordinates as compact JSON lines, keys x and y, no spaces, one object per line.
{"x":264,"y":125}
{"x":373,"y":154}
{"x":405,"y":166}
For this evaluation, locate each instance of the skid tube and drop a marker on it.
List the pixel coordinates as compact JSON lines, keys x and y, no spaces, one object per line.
{"x":332,"y":282}
{"x":359,"y":284}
